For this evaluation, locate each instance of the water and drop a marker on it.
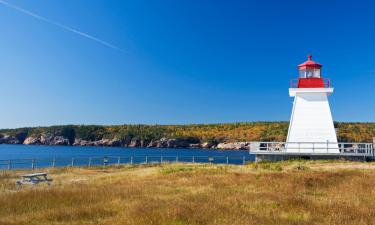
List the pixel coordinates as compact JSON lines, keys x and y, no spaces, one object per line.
{"x":21,"y":155}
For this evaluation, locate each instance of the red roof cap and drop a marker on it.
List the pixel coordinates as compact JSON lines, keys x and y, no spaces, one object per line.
{"x":309,"y":64}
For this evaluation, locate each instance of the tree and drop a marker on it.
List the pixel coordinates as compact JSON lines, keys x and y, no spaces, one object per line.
{"x":69,"y":133}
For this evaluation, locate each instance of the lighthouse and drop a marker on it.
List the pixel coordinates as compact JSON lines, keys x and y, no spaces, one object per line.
{"x":311,"y":128}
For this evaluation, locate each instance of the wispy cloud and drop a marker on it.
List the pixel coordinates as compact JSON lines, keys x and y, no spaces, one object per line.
{"x":67,"y":28}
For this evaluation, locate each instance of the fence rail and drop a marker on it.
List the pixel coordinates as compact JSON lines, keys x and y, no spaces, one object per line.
{"x":117,"y":160}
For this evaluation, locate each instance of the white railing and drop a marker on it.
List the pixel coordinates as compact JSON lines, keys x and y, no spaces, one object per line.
{"x":314,"y":147}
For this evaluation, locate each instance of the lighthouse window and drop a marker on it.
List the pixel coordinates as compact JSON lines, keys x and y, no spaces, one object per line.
{"x":317,"y":73}
{"x":309,"y":73}
{"x":302,"y":73}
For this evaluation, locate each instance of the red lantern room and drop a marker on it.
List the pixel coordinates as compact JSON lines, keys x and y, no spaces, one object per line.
{"x":310,"y":75}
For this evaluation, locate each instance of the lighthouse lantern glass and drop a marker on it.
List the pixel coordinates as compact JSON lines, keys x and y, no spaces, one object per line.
{"x":317,"y":73}
{"x":309,"y":73}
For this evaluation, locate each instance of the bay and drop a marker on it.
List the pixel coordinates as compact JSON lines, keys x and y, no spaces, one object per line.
{"x":28,"y":156}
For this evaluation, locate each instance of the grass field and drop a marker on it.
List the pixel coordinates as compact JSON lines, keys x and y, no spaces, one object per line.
{"x":266,"y":193}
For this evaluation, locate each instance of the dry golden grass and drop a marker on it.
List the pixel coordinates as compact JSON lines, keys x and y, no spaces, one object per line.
{"x":266,"y":193}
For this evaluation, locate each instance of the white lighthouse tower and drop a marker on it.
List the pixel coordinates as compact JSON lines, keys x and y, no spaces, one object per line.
{"x":311,"y":128}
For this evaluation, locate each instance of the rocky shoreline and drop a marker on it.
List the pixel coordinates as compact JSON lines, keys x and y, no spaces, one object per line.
{"x":126,"y":142}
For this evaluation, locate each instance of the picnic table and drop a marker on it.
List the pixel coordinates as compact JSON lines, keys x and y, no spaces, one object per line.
{"x":34,"y":178}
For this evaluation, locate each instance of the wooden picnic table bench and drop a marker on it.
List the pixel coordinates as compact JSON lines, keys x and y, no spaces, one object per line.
{"x":34,"y":178}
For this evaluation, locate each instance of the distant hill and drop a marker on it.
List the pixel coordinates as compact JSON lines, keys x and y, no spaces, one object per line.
{"x":143,"y":135}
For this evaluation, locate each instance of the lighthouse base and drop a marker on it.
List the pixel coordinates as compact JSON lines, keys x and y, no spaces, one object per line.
{"x":311,"y":122}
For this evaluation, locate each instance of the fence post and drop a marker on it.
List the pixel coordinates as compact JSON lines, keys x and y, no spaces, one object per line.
{"x":9,"y":165}
{"x":131,"y":159}
{"x":193,"y":159}
{"x":33,"y":164}
{"x":72,"y":162}
{"x":243,"y":160}
{"x":90,"y":162}
{"x":227,"y":160}
{"x":176,"y":159}
{"x":313,"y":147}
{"x":53,"y":162}
{"x":161,"y":159}
{"x":105,"y":161}
{"x":118,"y":161}
{"x":146,"y":159}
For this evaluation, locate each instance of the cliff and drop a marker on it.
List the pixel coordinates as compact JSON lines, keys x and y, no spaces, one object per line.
{"x":220,"y":136}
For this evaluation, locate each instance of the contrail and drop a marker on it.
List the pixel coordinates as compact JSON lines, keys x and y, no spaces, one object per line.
{"x":36,"y":16}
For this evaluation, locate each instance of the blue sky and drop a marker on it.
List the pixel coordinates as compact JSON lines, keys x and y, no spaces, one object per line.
{"x":180,"y":62}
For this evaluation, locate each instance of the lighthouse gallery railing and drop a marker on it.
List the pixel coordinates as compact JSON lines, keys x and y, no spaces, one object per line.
{"x":326,"y":83}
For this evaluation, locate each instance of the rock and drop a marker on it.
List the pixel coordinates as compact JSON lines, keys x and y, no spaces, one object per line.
{"x":125,"y":141}
{"x":77,"y":142}
{"x":7,"y":139}
{"x":144,"y":143}
{"x":195,"y":146}
{"x":162,"y":143}
{"x":151,"y":144}
{"x":107,"y":142}
{"x":46,"y":139}
{"x":90,"y":143}
{"x":234,"y":146}
{"x":80,"y":142}
{"x":13,"y":141}
{"x":134,"y":143}
{"x":17,"y":139}
{"x":225,"y":146}
{"x":32,"y":141}
{"x":177,"y":143}
{"x":2,"y":139}
{"x":114,"y":143}
{"x":60,"y":140}
{"x":103,"y":142}
{"x":183,"y":142}
{"x":174,"y":143}
{"x":208,"y":145}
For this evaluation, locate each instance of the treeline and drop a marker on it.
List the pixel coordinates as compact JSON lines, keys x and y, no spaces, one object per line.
{"x":226,"y":132}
